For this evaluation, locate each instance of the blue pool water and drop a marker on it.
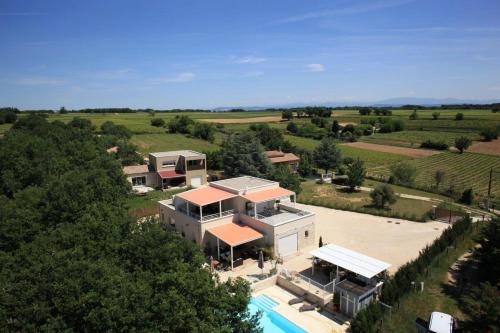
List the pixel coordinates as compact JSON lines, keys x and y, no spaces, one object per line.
{"x":271,"y":321}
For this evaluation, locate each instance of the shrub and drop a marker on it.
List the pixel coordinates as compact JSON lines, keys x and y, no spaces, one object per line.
{"x":459,"y":116}
{"x":205,"y":131}
{"x":489,"y":134}
{"x":157,"y":122}
{"x":403,"y":173}
{"x":382,"y":195}
{"x":365,"y":111}
{"x":386,"y":128}
{"x":179,"y":124}
{"x":435,"y":115}
{"x":414,"y":115}
{"x":467,"y":197}
{"x":287,"y":114}
{"x":292,"y":128}
{"x":462,"y":143}
{"x":398,"y":125}
{"x":8,"y":115}
{"x":438,"y":145}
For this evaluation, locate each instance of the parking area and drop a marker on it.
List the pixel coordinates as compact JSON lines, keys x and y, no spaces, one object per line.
{"x":391,"y":240}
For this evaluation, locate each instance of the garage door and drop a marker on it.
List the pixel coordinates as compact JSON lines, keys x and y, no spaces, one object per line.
{"x":287,"y":245}
{"x":196,"y":181}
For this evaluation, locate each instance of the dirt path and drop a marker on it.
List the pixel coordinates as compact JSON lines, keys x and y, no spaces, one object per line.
{"x":393,"y":149}
{"x":244,"y":120}
{"x":490,"y":148}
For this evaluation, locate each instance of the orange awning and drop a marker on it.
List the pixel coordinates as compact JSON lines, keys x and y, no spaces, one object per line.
{"x":235,"y":234}
{"x":205,"y":195}
{"x":268,"y":194}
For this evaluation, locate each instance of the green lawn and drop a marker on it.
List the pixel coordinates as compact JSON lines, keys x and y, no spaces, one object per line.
{"x":145,"y":205}
{"x":406,"y":190}
{"x":165,"y":142}
{"x":434,"y":297}
{"x":4,"y":128}
{"x":326,"y":195}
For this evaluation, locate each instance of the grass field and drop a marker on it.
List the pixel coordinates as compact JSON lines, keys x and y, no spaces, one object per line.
{"x":165,"y":142}
{"x":147,"y":205}
{"x":4,"y":128}
{"x":415,"y":138}
{"x":326,"y":195}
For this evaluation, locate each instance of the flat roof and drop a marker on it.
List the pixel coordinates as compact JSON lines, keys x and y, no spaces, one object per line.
{"x":205,"y":195}
{"x":350,"y":260}
{"x":441,"y":322}
{"x":288,"y":157}
{"x":243,"y":183}
{"x":185,"y":153}
{"x":269,"y":194}
{"x":235,"y":234}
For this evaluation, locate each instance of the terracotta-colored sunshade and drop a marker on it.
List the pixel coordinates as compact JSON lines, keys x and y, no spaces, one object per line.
{"x":268,"y":194}
{"x":170,"y":174}
{"x":205,"y":195}
{"x":235,"y":234}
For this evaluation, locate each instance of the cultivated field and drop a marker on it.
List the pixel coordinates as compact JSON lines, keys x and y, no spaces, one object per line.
{"x":415,"y":138}
{"x":490,"y":148}
{"x":411,"y":152}
{"x":165,"y":142}
{"x":244,"y":120}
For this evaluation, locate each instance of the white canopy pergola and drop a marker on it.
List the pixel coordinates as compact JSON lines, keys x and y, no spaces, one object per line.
{"x":351,"y":260}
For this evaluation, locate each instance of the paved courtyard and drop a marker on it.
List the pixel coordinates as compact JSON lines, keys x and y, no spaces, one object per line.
{"x":391,"y":240}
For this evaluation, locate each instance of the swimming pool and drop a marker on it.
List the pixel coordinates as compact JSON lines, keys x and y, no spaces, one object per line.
{"x":271,"y":321}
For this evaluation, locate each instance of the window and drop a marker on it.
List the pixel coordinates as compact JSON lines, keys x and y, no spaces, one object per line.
{"x":139,"y":180}
{"x":168,"y":163}
{"x":306,"y":234}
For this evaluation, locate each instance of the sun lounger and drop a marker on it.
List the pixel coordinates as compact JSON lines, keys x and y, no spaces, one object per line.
{"x":297,"y":300}
{"x":310,"y":307}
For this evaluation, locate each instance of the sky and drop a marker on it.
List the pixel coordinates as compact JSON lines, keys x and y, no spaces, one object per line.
{"x":206,"y":54}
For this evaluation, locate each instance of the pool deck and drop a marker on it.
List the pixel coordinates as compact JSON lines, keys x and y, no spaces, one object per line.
{"x":311,"y":321}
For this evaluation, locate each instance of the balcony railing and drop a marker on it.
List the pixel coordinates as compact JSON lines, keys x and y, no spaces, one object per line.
{"x":206,"y":217}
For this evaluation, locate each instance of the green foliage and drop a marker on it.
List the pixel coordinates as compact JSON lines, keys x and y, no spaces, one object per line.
{"x":462,"y":143}
{"x":326,"y":155}
{"x":204,"y":131}
{"x":271,"y":138}
{"x":482,"y":305}
{"x":286,"y":178}
{"x":488,"y":253}
{"x":305,"y":164}
{"x":438,"y":145}
{"x":383,"y":195}
{"x":292,"y":128}
{"x":439,"y":177}
{"x":120,"y":131}
{"x":179,"y":124}
{"x":459,"y":116}
{"x":467,"y":197}
{"x":157,"y":122}
{"x":435,"y":115}
{"x":489,"y":134}
{"x":355,"y":173}
{"x":242,"y":154}
{"x":72,"y":259}
{"x":403,"y":174}
{"x":365,"y":111}
{"x":335,"y":128}
{"x":8,"y":115}
{"x":214,"y":160}
{"x":414,"y":115}
{"x":287,"y":114}
{"x":319,"y":121}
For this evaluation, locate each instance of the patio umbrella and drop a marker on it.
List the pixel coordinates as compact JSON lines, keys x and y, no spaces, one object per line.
{"x":261,"y":261}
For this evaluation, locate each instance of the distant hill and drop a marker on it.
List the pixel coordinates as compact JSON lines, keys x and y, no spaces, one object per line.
{"x":394,"y":102}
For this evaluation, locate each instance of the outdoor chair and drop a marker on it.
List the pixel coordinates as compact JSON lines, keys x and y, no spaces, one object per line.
{"x":308,"y":307}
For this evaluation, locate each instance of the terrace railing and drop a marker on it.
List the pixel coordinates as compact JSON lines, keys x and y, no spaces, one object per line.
{"x":218,"y":215}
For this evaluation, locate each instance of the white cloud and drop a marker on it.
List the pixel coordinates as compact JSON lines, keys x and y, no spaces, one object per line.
{"x":38,"y":81}
{"x":113,"y":74}
{"x":181,"y":77}
{"x":249,"y":60}
{"x":315,"y":68}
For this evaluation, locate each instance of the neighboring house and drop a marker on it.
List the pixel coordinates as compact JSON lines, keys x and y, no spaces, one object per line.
{"x":240,"y":212}
{"x":278,"y":157}
{"x":169,"y":169}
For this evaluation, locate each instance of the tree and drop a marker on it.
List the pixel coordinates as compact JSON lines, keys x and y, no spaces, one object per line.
{"x":489,"y":134}
{"x":179,"y":124}
{"x":271,"y":138}
{"x":459,"y":116}
{"x":63,"y":110}
{"x":214,"y":160}
{"x":435,"y":115}
{"x":286,"y":178}
{"x":287,"y":114}
{"x":292,"y":128}
{"x":365,"y":111}
{"x":482,"y":306}
{"x":467,"y":197}
{"x":205,"y":131}
{"x":157,"y":122}
{"x":335,"y":128}
{"x":403,"y":174}
{"x":119,"y":131}
{"x":355,"y":174}
{"x":242,"y":154}
{"x":414,"y":115}
{"x":305,"y":164}
{"x":326,"y":155}
{"x":8,"y":115}
{"x":439,"y":177}
{"x":383,"y":195}
{"x":462,"y":143}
